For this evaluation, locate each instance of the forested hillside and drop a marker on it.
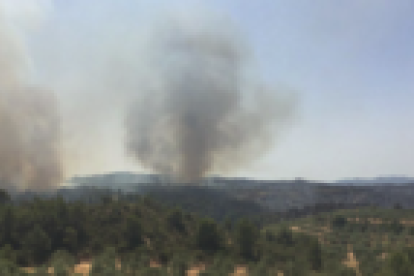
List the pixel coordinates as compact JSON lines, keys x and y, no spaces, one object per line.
{"x":139,"y":235}
{"x":214,"y":203}
{"x":135,"y":230}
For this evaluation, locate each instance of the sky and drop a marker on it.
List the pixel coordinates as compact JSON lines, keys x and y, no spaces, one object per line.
{"x":350,"y":64}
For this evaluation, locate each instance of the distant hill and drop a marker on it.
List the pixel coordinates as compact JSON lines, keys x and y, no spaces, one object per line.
{"x":274,"y":195}
{"x":382,"y":180}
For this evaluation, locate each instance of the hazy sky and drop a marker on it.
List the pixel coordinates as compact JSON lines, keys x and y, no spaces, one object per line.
{"x":350,"y":62}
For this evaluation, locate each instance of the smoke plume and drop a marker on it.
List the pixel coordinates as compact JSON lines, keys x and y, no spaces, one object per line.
{"x":189,"y":98}
{"x":204,"y":110}
{"x":29,"y":122}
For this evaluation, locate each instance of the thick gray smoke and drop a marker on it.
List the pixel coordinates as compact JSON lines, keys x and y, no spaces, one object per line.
{"x":204,"y":110}
{"x":29,"y":126}
{"x":191,"y":102}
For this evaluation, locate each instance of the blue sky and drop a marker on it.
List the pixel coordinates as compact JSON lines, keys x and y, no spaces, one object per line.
{"x":350,"y":62}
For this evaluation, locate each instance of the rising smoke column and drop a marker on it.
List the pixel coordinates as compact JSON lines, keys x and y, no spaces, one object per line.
{"x":29,"y":123}
{"x":203,"y":112}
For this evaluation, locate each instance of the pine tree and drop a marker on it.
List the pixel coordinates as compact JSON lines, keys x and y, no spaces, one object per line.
{"x":38,"y":244}
{"x":208,"y":237}
{"x":133,"y":232}
{"x":315,"y":255}
{"x":4,"y":197}
{"x":245,"y":238}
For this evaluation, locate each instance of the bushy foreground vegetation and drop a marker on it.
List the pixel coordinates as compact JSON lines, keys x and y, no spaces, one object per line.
{"x":140,"y":236}
{"x":379,"y":238}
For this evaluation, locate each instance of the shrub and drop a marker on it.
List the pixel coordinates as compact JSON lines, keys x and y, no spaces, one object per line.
{"x":133,"y":233}
{"x":37,"y":244}
{"x":154,"y":271}
{"x":62,"y":263}
{"x":176,"y":220}
{"x":9,"y":268}
{"x":208,"y":237}
{"x":339,"y":221}
{"x":284,"y":237}
{"x":179,"y":266}
{"x":105,"y":264}
{"x":260,"y":269}
{"x":245,"y":238}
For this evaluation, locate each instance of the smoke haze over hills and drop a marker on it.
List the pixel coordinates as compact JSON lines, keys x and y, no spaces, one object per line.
{"x":184,"y":91}
{"x":89,"y":76}
{"x":195,"y":117}
{"x":29,"y":120}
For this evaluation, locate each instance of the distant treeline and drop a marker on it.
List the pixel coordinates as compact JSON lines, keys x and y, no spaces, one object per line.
{"x":216,"y":203}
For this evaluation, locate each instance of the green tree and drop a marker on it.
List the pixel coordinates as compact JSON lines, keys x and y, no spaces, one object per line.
{"x":400,"y":265}
{"x":179,"y":266}
{"x":175,"y":219}
{"x":396,"y":226}
{"x":227,"y":223}
{"x":315,"y":255}
{"x":70,"y":239}
{"x":296,"y":268}
{"x":62,"y":263}
{"x":8,"y":225}
{"x":4,"y":197}
{"x":9,"y":268}
{"x":339,"y":221}
{"x":259,"y":269}
{"x":208,"y":237}
{"x":37,"y":243}
{"x":284,"y":237}
{"x":133,"y":232}
{"x":7,"y":253}
{"x":246,"y":237}
{"x":105,"y":264}
{"x":397,"y":206}
{"x":345,"y":271}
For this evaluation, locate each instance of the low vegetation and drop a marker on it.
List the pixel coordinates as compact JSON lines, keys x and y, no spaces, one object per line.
{"x":377,"y":238}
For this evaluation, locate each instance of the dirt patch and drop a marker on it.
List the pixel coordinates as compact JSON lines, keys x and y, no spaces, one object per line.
{"x":240,"y":271}
{"x":326,"y":229}
{"x":195,"y":270}
{"x":295,"y":228}
{"x":383,"y":256}
{"x":83,"y":268}
{"x":351,"y":261}
{"x":407,"y":222}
